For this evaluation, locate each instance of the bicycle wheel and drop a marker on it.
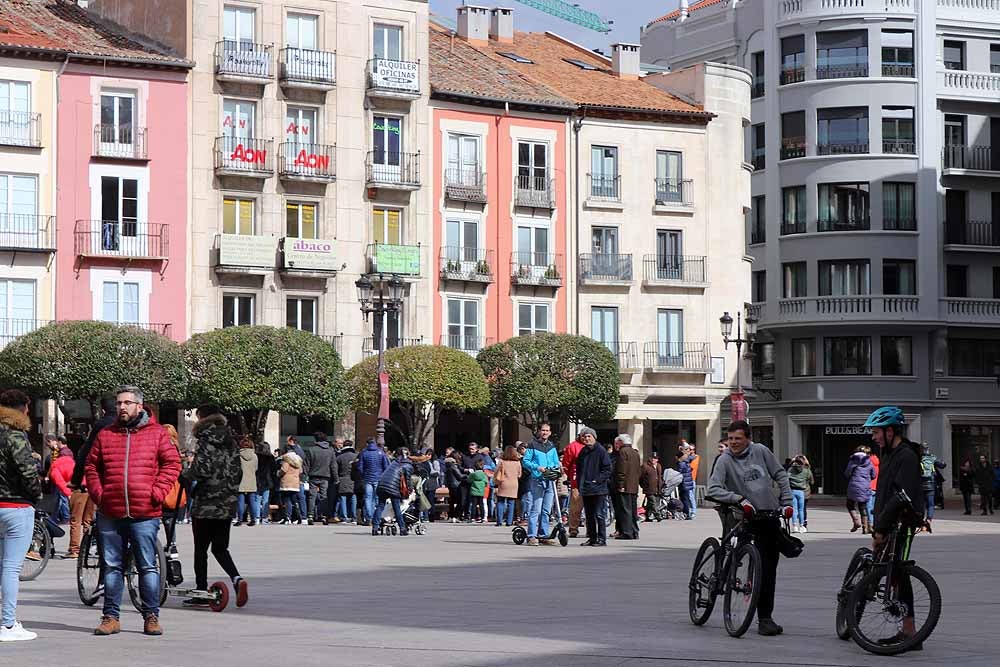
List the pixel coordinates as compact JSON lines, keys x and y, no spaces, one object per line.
{"x":132,"y":576}
{"x":88,"y":570}
{"x":856,"y":570}
{"x":39,"y":552}
{"x":742,"y":589}
{"x":702,"y":589}
{"x":877,"y":627}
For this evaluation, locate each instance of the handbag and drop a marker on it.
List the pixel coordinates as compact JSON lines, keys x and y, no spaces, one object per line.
{"x":788,"y":545}
{"x":499,"y":475}
{"x":404,"y":487}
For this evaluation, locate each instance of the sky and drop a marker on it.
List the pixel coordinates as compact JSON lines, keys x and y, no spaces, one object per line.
{"x":628,"y":16}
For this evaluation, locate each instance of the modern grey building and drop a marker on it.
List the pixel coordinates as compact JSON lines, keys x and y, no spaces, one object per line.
{"x":875,"y":225}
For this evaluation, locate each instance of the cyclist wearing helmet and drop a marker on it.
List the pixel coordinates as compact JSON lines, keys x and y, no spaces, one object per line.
{"x":899,"y":470}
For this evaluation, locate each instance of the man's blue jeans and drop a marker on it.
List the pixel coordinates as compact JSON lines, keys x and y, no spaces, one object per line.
{"x":370,"y":495}
{"x":140,"y":535}
{"x":62,"y":514}
{"x":302,"y":502}
{"x":929,"y":500}
{"x":542,"y":495}
{"x":692,"y":502}
{"x":505,"y":511}
{"x":798,"y":506}
{"x":871,"y":506}
{"x":264,"y":505}
{"x":347,"y":506}
{"x":17,"y":525}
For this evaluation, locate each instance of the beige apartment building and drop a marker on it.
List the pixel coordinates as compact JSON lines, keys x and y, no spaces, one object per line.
{"x":309,"y":156}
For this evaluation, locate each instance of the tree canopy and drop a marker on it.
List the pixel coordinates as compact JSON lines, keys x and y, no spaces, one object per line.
{"x":424,"y":380}
{"x":251,"y":370}
{"x":551,"y":377}
{"x":87,"y":360}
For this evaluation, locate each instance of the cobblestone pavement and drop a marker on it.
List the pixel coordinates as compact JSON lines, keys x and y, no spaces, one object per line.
{"x":466,"y":595}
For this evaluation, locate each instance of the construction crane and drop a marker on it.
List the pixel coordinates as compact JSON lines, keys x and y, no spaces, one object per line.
{"x":571,"y":13}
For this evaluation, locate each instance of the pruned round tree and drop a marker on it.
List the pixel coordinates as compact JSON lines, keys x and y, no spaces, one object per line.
{"x":557,"y":378}
{"x":424,"y":381}
{"x":251,"y":370}
{"x":87,"y":360}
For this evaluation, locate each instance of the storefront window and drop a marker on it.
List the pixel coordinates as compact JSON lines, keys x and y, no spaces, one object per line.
{"x":828,"y":449}
{"x":969,"y":442}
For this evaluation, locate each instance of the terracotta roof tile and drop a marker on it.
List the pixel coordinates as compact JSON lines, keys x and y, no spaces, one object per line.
{"x":676,"y":14}
{"x":61,"y":27}
{"x":458,"y":68}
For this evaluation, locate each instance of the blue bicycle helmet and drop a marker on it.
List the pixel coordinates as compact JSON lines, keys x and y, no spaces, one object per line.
{"x":888,"y":415}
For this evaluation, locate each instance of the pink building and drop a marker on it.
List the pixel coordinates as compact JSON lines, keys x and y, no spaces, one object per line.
{"x":123,"y":196}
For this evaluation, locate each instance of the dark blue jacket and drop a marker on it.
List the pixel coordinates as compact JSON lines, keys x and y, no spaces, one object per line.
{"x":372,"y":463}
{"x":593,"y":471}
{"x":388,"y":484}
{"x":684,"y":468}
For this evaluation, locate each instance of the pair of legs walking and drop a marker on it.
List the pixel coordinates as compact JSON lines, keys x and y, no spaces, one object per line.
{"x":214,"y":534}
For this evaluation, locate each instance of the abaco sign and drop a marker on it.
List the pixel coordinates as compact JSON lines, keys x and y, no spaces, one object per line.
{"x":312,"y":254}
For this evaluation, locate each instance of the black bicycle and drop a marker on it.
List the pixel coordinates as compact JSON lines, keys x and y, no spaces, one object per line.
{"x":884,"y":590}
{"x":731,"y":568}
{"x":40,"y":550}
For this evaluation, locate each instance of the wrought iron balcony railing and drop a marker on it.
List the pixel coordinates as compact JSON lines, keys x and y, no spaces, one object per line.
{"x":243,"y":156}
{"x":308,"y":162}
{"x":674,"y":192}
{"x":27,"y":231}
{"x":388,"y":169}
{"x":536,"y":268}
{"x":20,"y":128}
{"x":675,"y":268}
{"x":120,"y":142}
{"x":605,"y":267}
{"x":469,"y":264}
{"x":121,"y":238}
{"x":307,"y":67}
{"x":670,"y":356}
{"x":242,"y":60}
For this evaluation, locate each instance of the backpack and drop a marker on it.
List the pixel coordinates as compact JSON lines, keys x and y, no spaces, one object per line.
{"x":927,"y":467}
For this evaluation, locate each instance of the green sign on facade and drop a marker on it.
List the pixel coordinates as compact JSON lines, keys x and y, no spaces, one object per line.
{"x":401,"y":259}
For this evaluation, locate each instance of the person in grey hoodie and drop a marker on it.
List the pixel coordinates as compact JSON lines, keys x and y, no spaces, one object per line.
{"x":321,"y":469}
{"x":745,"y":475}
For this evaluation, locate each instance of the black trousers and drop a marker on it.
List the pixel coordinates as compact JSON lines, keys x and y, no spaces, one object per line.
{"x":456,"y":503}
{"x":765,"y":538}
{"x":986,"y":500}
{"x":212,"y":533}
{"x":628,"y":506}
{"x":616,"y":508}
{"x":595,"y":508}
{"x":967,"y":501}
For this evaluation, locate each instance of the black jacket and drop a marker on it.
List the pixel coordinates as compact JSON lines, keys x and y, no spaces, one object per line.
{"x":266,"y":480}
{"x":454,"y":476}
{"x":899,"y":470}
{"x":984,"y":478}
{"x":345,"y":465}
{"x":19,"y":480}
{"x":593,"y":471}
{"x":321,"y":462}
{"x":81,"y":456}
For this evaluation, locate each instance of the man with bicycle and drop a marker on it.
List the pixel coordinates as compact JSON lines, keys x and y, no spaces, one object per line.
{"x":744,"y":475}
{"x":130,"y":469}
{"x":899,"y":470}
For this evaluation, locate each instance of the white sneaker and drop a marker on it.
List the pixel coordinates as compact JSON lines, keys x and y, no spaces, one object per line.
{"x":16,"y":633}
{"x":802,"y":529}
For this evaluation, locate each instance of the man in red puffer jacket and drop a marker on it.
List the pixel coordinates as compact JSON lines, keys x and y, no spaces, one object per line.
{"x":131,"y":468}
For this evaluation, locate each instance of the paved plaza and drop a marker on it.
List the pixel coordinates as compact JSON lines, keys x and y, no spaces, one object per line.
{"x":466,"y":595}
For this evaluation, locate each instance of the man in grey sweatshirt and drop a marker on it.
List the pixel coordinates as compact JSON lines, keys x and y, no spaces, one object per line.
{"x":745,"y":474}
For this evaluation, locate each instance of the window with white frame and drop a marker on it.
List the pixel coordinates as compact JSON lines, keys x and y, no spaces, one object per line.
{"x":18,"y":210}
{"x":17,"y":303}
{"x":463,"y":161}
{"x":238,"y":24}
{"x":120,"y":302}
{"x":117,"y":118}
{"x":533,"y":242}
{"x":238,"y":215}
{"x":387,"y":41}
{"x":533,"y":318}
{"x":238,"y":310}
{"x":387,"y":226}
{"x":462,"y":243}
{"x":463,"y":325}
{"x":119,"y":212}
{"x":302,"y":31}
{"x":300,"y":313}
{"x":301,"y":220}
{"x":15,"y":112}
{"x":532,"y":166}
{"x":300,"y":125}
{"x":238,"y":118}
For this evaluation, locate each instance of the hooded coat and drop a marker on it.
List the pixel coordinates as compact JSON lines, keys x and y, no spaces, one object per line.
{"x":388,"y":484}
{"x":248,"y":463}
{"x":859,"y":473}
{"x":290,"y":472}
{"x":19,"y":480}
{"x":217,"y":469}
{"x":345,"y":460}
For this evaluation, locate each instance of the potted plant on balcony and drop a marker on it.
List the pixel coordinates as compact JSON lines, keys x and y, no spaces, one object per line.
{"x":552,"y":273}
{"x":483,"y":268}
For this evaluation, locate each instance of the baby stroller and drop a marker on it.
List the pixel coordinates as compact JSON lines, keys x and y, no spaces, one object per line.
{"x":411,"y":515}
{"x":668,"y":503}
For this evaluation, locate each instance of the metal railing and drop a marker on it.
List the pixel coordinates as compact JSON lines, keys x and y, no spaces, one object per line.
{"x":536,"y":268}
{"x":793,"y":147}
{"x":894,"y":70}
{"x":368,"y":344}
{"x":845,"y":225}
{"x":759,"y":161}
{"x":758,"y":236}
{"x":899,"y":146}
{"x":393,"y":258}
{"x":605,"y":267}
{"x":244,"y":156}
{"x":675,"y":268}
{"x":465,"y":184}
{"x":534,"y":191}
{"x":20,"y":128}
{"x":604,"y":188}
{"x":127,"y":239}
{"x":462,"y":263}
{"x":120,"y":142}
{"x":470,"y":344}
{"x":900,"y":224}
{"x":757,"y":90}
{"x":849,"y":148}
{"x":27,"y":231}
{"x":307,"y":66}
{"x":973,"y":232}
{"x":242,"y":60}
{"x":978,"y":158}
{"x":307,"y":161}
{"x":792,"y":75}
{"x":678,"y":356}
{"x":12,"y":329}
{"x":793,"y":228}
{"x":393,"y":169}
{"x":853,"y":70}
{"x":394,"y":76}
{"x":674,"y":192}
{"x":156,"y":327}
{"x":626,"y":353}
{"x":336,"y":340}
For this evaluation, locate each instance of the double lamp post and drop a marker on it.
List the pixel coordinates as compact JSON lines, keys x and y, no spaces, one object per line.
{"x":380,"y":298}
{"x":738,"y":399}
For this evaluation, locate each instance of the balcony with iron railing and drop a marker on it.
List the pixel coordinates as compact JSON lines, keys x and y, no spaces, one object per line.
{"x":792,"y":75}
{"x":758,"y":235}
{"x":315,"y":163}
{"x":843,"y":148}
{"x":394,"y":171}
{"x":128,"y":240}
{"x":970,"y":311}
{"x":12,"y":329}
{"x":758,"y":161}
{"x":979,"y":233}
{"x":793,"y":147}
{"x":119,"y":142}
{"x":28,"y":232}
{"x":537,"y":269}
{"x":677,"y":357}
{"x":243,"y":156}
{"x":393,"y":258}
{"x":965,"y":85}
{"x":898,"y":70}
{"x":757,"y":89}
{"x":307,"y":68}
{"x":162,"y":328}
{"x":970,"y":160}
{"x":857,"y":308}
{"x":899,"y":146}
{"x":602,"y":189}
{"x":674,"y":193}
{"x":243,"y":61}
{"x":683,"y":270}
{"x":903,"y":224}
{"x":535,"y":191}
{"x":460,"y":263}
{"x":465,"y":184}
{"x":847,"y":224}
{"x":20,"y":128}
{"x":336,"y":340}
{"x":466,"y":343}
{"x":605,"y":268}
{"x":398,"y":79}
{"x":368,"y":344}
{"x":626,"y":353}
{"x":796,"y":227}
{"x":853,"y":70}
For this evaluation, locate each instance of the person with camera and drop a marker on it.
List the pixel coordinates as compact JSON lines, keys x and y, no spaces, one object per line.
{"x":541,"y":460}
{"x":745,"y":475}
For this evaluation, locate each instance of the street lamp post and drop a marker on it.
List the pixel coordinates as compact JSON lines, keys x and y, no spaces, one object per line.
{"x":379,"y":302}
{"x":738,"y":398}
